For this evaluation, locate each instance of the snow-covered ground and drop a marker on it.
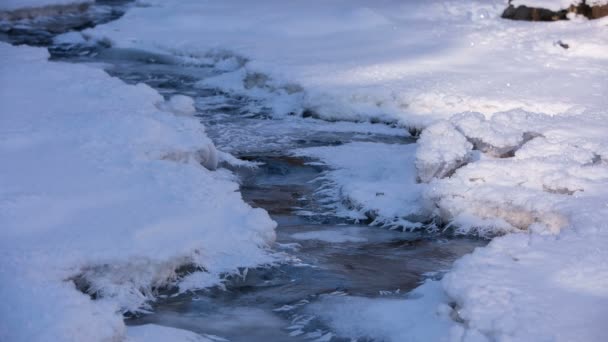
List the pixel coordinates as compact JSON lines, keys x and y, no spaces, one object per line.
{"x":100,"y":186}
{"x":527,"y":158}
{"x":411,"y":62}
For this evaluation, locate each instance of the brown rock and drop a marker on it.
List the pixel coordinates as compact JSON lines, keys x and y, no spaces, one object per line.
{"x":543,"y":14}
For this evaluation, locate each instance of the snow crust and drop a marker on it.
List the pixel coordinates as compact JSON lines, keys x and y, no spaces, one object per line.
{"x":100,"y":188}
{"x":405,"y":62}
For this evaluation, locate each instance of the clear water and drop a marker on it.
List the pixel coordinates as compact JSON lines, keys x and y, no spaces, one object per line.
{"x":330,"y":255}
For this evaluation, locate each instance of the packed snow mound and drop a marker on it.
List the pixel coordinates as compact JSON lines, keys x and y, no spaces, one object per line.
{"x":491,"y":137}
{"x":441,"y":150}
{"x":550,"y":164}
{"x":371,"y":181}
{"x":94,"y":199}
{"x":406,"y":62}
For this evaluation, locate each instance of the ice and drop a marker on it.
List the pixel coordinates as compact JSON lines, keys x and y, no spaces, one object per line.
{"x":104,"y":193}
{"x":371,"y":180}
{"x":424,"y":316}
{"x":332,"y":236}
{"x":152,"y":333}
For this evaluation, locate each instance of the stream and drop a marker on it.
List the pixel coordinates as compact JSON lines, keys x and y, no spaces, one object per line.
{"x":330,"y":255}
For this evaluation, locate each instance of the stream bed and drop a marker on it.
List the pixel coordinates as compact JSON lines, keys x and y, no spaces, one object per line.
{"x":329,"y":255}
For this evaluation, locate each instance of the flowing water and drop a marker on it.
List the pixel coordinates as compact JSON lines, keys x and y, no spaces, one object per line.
{"x":329,"y":255}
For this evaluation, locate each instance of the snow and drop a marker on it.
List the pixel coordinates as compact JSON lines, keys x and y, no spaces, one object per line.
{"x":531,"y":288}
{"x":405,"y":62}
{"x":12,"y":5}
{"x":514,"y":148}
{"x":548,"y":279}
{"x":369,"y":179}
{"x":558,"y":166}
{"x":442,"y":149}
{"x":101,"y":188}
{"x":180,"y":105}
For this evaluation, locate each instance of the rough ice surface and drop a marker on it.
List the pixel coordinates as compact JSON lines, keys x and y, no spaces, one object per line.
{"x":102,"y":189}
{"x":371,"y":180}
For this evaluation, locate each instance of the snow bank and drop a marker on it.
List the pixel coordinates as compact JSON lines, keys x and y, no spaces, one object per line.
{"x":555,"y":161}
{"x":100,"y":188}
{"x":407,"y":62}
{"x":542,"y":178}
{"x":371,"y":180}
{"x":549,"y":280}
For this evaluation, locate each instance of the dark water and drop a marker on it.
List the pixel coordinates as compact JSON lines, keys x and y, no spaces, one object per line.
{"x":329,"y":255}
